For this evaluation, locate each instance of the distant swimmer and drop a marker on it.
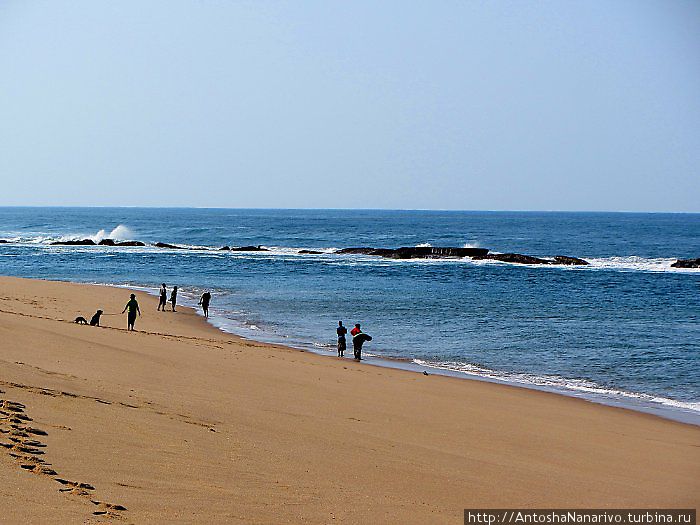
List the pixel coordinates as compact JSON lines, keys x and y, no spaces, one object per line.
{"x":358,"y":339}
{"x":341,"y":331}
{"x":133,"y":307}
{"x":173,"y":297}
{"x":163,"y":298}
{"x":204,"y":302}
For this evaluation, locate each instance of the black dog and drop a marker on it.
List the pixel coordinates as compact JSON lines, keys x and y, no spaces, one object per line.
{"x":81,"y":320}
{"x":95,"y":321}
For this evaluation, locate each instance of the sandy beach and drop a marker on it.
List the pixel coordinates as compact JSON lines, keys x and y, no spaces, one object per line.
{"x":181,"y":423}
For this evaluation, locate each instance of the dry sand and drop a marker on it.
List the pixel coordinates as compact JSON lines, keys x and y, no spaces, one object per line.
{"x":180,"y":423}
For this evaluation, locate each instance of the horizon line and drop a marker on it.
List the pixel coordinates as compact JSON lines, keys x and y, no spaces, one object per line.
{"x":453,"y":210}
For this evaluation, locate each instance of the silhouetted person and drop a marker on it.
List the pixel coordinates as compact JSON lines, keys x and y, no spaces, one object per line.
{"x":358,"y":339}
{"x":341,"y":331}
{"x":133,"y":307}
{"x":163,"y":298}
{"x":204,"y":301}
{"x":173,"y":297}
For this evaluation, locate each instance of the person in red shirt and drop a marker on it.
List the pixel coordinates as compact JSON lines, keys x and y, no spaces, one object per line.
{"x":358,"y":339}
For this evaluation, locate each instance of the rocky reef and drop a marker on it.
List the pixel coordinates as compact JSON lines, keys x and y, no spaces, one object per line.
{"x":687,"y":263}
{"x":244,"y":249}
{"x":416,"y":252}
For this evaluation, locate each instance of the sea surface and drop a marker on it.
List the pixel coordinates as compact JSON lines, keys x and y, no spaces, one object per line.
{"x":623,"y":331}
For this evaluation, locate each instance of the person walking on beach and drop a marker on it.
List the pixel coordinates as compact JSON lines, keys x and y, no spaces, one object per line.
{"x":163,"y":298}
{"x":341,"y":331}
{"x":173,"y":297}
{"x":204,"y":301}
{"x":133,"y":307}
{"x":358,"y":339}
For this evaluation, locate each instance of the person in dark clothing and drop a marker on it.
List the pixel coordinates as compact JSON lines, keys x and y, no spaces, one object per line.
{"x":163,"y":298}
{"x":341,"y":331}
{"x":133,"y":307}
{"x":173,"y":297}
{"x":204,"y":301}
{"x":358,"y":339}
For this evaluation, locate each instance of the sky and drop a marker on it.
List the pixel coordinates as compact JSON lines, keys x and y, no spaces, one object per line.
{"x":542,"y":105}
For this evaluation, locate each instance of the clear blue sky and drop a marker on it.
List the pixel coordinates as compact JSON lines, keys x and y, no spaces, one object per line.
{"x":563,"y":105}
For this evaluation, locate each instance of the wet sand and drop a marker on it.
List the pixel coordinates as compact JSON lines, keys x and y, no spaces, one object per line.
{"x":181,"y":423}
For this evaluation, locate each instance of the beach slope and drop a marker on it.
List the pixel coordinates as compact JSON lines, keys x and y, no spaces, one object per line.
{"x":181,"y":423}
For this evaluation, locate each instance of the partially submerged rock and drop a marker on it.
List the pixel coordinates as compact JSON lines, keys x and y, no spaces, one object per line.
{"x":416,"y":252}
{"x":517,"y":258}
{"x":111,"y":242}
{"x":569,"y":261}
{"x":249,"y":249}
{"x":686,"y":263}
{"x":309,"y":252}
{"x":83,"y":242}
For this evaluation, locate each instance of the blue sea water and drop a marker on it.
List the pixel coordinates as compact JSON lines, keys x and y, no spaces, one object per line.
{"x":623,"y":330}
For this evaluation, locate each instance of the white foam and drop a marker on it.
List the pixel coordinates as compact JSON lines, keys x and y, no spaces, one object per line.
{"x":582,"y":386}
{"x":120,"y":233}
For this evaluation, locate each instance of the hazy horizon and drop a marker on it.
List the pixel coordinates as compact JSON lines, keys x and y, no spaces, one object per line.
{"x":540,"y":106}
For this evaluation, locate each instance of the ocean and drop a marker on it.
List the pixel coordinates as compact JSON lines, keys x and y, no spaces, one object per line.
{"x":622,"y":331}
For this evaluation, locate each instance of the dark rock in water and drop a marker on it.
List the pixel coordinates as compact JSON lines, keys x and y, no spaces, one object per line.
{"x":173,"y":246}
{"x":514,"y":258}
{"x":84,"y":242}
{"x":686,"y":263}
{"x":364,"y":251}
{"x":249,"y":249}
{"x":310,"y":252}
{"x":110,"y":242}
{"x":569,"y":261}
{"x":431,"y":252}
{"x":519,"y":258}
{"x":416,"y":252}
{"x":3,"y":241}
{"x":224,"y":248}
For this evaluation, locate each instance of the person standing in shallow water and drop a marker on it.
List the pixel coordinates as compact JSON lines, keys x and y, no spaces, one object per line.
{"x":358,"y":339}
{"x":133,"y":307}
{"x":173,"y":297}
{"x":341,"y":331}
{"x":204,"y":302}
{"x":163,"y":298}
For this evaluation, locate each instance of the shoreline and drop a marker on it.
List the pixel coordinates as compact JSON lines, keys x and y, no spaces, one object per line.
{"x":181,"y":422}
{"x":635,"y":402}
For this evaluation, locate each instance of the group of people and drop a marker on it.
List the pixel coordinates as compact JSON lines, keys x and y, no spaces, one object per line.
{"x":133,"y":306}
{"x":358,"y":336}
{"x":358,"y":339}
{"x":164,"y":298}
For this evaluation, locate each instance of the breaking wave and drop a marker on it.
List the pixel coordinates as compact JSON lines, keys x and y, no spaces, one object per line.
{"x":583,"y":387}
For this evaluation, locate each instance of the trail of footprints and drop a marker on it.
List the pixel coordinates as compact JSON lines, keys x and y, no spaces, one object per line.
{"x":21,"y":441}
